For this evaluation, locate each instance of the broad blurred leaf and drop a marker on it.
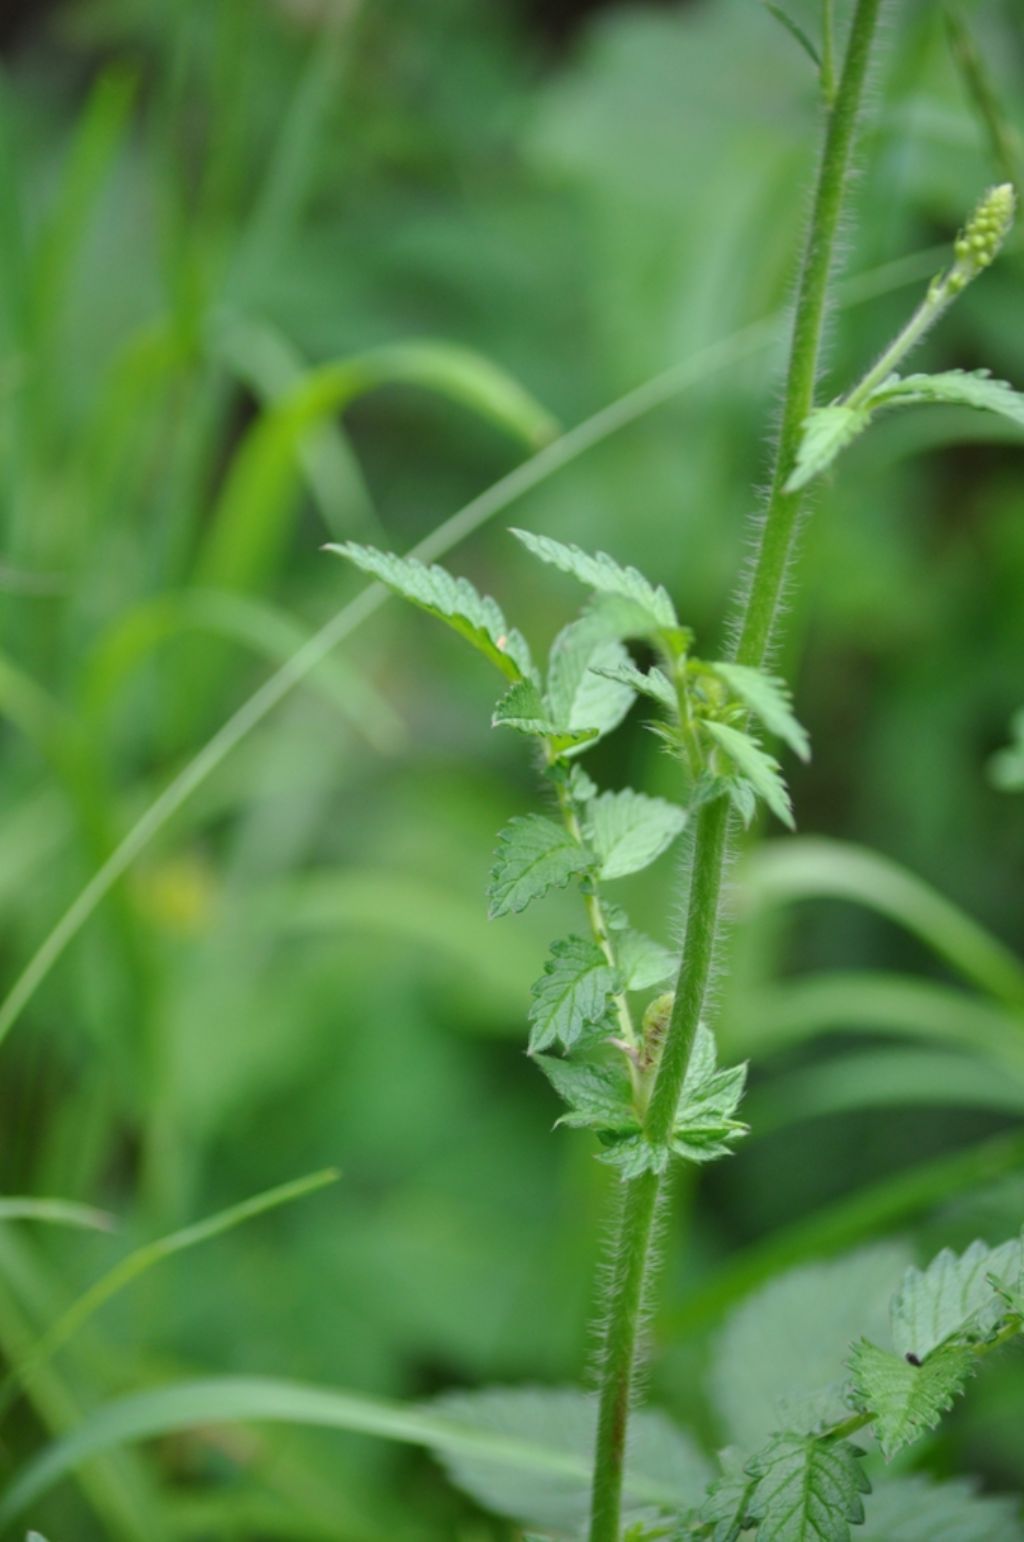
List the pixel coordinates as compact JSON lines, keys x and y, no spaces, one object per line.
{"x":781,"y":1358}
{"x":913,"y":1509}
{"x":663,"y":1466}
{"x":522,"y":1451}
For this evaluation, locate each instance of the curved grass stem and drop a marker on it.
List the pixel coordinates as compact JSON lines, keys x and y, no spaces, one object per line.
{"x":634,"y":1262}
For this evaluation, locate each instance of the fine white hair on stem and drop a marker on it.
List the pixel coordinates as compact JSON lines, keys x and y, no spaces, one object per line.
{"x":605,"y":1282}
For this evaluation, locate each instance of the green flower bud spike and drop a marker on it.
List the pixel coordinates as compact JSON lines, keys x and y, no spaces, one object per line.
{"x":980,"y":241}
{"x":975,"y":249}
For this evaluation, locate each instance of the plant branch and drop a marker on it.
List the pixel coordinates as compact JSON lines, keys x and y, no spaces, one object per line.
{"x":633,"y":1263}
{"x":975,"y":249}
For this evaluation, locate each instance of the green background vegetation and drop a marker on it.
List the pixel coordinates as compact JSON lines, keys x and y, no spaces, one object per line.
{"x":200,"y":202}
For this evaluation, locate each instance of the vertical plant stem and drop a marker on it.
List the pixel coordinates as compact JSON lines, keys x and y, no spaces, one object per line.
{"x":631,"y":1270}
{"x":634,"y":1258}
{"x":775,"y":546}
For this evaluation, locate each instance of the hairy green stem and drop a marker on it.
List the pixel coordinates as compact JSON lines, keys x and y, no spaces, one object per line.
{"x":634,"y":1257}
{"x":921,"y":322}
{"x":776,"y":543}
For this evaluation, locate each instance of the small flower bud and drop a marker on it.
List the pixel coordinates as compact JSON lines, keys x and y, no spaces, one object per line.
{"x":979,"y":242}
{"x":654,"y":1028}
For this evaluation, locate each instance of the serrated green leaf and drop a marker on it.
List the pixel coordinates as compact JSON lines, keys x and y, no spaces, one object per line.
{"x":654,"y":683}
{"x":629,"y":831}
{"x":664,"y":1469}
{"x":768,"y":697}
{"x":826,"y":433}
{"x":581,"y":786}
{"x":522,"y":709}
{"x":915,"y":1510}
{"x":598,"y":1096}
{"x":742,"y":796}
{"x":579,"y":700}
{"x":960,"y":388}
{"x":628,"y":619}
{"x":534,"y":855}
{"x":1010,"y":1293}
{"x":907,"y":1399}
{"x":634,"y":1155}
{"x":780,"y":1360}
{"x":808,"y":1490}
{"x":759,"y":768}
{"x":572,"y":995}
{"x":603,"y":573}
{"x":453,"y":600}
{"x":642,"y":962}
{"x":727,"y":1507}
{"x":830,"y":430}
{"x":953,"y":1296}
{"x":704,"y":1127}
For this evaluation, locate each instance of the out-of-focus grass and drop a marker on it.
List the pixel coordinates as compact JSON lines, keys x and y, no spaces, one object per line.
{"x":206,"y":213}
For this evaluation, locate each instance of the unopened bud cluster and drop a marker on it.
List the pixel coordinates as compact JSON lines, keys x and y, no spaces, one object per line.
{"x":979,"y":242}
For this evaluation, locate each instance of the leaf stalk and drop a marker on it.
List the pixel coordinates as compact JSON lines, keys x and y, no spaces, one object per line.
{"x":601,"y":934}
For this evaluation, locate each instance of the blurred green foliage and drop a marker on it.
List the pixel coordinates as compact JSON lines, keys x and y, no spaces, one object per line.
{"x":199,"y":204}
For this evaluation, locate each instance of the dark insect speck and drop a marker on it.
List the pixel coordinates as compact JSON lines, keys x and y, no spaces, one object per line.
{"x":911,"y":1359}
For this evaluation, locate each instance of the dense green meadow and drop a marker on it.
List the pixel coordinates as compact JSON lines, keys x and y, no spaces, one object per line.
{"x":276,"y":274}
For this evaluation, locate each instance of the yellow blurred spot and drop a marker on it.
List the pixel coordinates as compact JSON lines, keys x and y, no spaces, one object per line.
{"x":179,"y":894}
